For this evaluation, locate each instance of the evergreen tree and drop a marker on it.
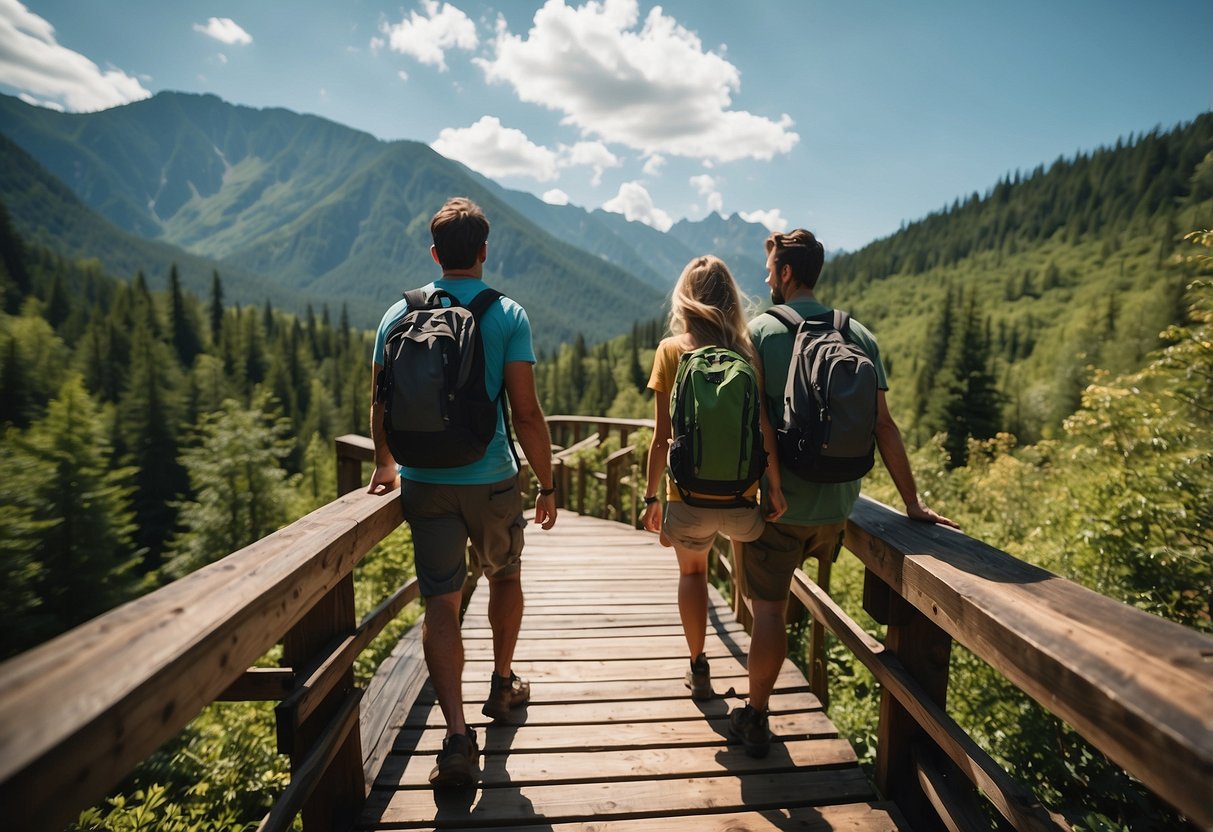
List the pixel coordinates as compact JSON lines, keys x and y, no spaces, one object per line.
{"x":184,"y":329}
{"x":84,"y":546}
{"x":240,"y":487}
{"x":217,"y":309}
{"x":149,"y":412}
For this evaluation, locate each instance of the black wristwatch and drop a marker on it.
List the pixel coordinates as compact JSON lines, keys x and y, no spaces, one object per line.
{"x":543,"y":492}
{"x":648,"y":501}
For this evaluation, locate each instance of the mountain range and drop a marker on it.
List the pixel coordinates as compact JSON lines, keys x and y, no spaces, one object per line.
{"x":297,"y":210}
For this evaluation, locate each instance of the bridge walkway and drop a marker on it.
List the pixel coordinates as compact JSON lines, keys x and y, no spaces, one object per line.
{"x":611,"y":739}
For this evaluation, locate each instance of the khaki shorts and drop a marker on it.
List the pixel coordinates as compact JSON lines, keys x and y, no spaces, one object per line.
{"x":692,"y":527}
{"x":780,"y":550}
{"x":443,"y":518}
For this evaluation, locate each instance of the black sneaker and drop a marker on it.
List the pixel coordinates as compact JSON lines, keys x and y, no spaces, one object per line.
{"x":749,"y":726}
{"x":505,"y":694}
{"x":699,"y":679}
{"x":458,"y":762}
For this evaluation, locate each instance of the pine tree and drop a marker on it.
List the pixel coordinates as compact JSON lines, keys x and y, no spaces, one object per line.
{"x":84,"y":548}
{"x":240,"y":487}
{"x":217,"y":310}
{"x":186,"y":341}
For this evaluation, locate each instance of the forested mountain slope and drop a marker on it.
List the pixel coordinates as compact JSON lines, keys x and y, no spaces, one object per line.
{"x":309,"y":205}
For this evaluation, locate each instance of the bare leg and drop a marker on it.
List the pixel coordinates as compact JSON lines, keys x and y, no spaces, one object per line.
{"x":768,"y":648}
{"x":693,"y":596}
{"x":505,"y":617}
{"x":443,"y":645}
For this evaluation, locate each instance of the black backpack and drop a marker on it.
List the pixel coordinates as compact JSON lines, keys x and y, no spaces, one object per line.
{"x":827,"y":432}
{"x":436,"y":412}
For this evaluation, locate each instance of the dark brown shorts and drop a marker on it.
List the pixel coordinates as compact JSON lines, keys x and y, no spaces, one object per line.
{"x":780,"y":550}
{"x":444,"y":518}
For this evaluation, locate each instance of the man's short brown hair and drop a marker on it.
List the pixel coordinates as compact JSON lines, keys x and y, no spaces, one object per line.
{"x":800,"y":250}
{"x":459,"y":230}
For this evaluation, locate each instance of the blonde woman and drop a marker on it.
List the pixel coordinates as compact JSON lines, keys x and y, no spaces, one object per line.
{"x":705,"y":311}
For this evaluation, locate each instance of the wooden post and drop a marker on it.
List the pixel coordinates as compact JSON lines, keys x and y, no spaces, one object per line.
{"x":740,"y":591}
{"x":583,"y":475}
{"x":925,"y":650}
{"x":340,"y":792}
{"x":819,"y":677}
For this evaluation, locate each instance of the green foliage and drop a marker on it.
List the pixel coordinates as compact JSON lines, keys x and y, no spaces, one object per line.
{"x":240,"y":487}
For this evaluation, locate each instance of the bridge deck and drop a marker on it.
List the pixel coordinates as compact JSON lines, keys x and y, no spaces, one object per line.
{"x":611,"y":739}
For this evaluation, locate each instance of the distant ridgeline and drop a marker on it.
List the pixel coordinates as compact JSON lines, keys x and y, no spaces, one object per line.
{"x":295,"y":209}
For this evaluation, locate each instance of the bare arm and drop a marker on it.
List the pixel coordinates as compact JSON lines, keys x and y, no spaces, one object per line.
{"x":893,"y":452}
{"x":659,"y":450}
{"x":775,"y":499}
{"x":532,"y":430}
{"x":387,"y":476}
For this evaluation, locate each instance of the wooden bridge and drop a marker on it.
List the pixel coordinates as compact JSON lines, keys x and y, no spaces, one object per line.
{"x":611,"y":739}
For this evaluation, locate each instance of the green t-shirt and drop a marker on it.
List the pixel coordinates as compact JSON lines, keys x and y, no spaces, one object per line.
{"x":809,"y":503}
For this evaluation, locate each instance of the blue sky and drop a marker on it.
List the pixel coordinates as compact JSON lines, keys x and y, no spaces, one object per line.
{"x":844,"y":117}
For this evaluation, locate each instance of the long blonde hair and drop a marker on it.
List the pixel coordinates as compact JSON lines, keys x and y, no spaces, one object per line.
{"x":706,"y":305}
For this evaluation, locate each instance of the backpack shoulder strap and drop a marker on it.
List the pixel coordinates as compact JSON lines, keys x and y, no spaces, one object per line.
{"x":842,"y":321}
{"x":481,"y":303}
{"x":786,"y":315}
{"x":416,"y":298}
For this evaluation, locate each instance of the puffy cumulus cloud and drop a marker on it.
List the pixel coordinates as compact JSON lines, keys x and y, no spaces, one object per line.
{"x":556,"y":197}
{"x":592,"y":154}
{"x":428,"y":37}
{"x":772,"y":219}
{"x":224,"y":30}
{"x":636,"y":205}
{"x":708,"y":187}
{"x":653,"y":88}
{"x":51,"y":75}
{"x":495,"y":150}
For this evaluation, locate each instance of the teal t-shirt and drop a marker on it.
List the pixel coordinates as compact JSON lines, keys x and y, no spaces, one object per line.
{"x":506,"y":332}
{"x":809,"y":503}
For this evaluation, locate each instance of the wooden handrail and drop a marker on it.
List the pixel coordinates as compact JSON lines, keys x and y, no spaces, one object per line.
{"x":79,"y":712}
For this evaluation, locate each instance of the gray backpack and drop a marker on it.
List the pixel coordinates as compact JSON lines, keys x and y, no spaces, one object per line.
{"x":827,"y":432}
{"x":436,"y":412}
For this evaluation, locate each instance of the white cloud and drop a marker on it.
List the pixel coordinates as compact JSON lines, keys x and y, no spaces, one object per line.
{"x":427,"y":37}
{"x":653,"y":89}
{"x":32,"y":62}
{"x":556,"y":197}
{"x":772,"y":219}
{"x":707,"y":186}
{"x":654,"y":164}
{"x":377,"y":44}
{"x":37,"y":102}
{"x":225,"y":30}
{"x":494,"y":150}
{"x":221,"y":58}
{"x":593,"y":154}
{"x":635,"y":203}
{"x":402,"y":75}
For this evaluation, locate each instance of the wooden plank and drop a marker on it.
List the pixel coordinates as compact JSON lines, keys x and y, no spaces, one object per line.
{"x":851,"y":817}
{"x":393,"y":687}
{"x":652,"y":710}
{"x":1136,"y":686}
{"x":529,"y":633}
{"x":550,"y":692}
{"x":401,"y":771}
{"x":673,"y":648}
{"x":592,"y":801}
{"x":593,"y":670}
{"x":526,"y":738}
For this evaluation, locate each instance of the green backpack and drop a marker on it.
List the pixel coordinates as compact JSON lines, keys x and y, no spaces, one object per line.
{"x":714,"y":418}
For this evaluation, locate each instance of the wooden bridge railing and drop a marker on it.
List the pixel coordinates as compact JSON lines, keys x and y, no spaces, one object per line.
{"x":78,"y":713}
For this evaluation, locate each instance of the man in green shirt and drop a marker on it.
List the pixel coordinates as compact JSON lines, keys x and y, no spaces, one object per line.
{"x":816,"y":517}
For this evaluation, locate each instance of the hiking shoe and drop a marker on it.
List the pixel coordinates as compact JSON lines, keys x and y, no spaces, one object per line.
{"x":699,"y":679}
{"x":505,"y":694}
{"x":458,"y":762}
{"x":749,"y":726}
